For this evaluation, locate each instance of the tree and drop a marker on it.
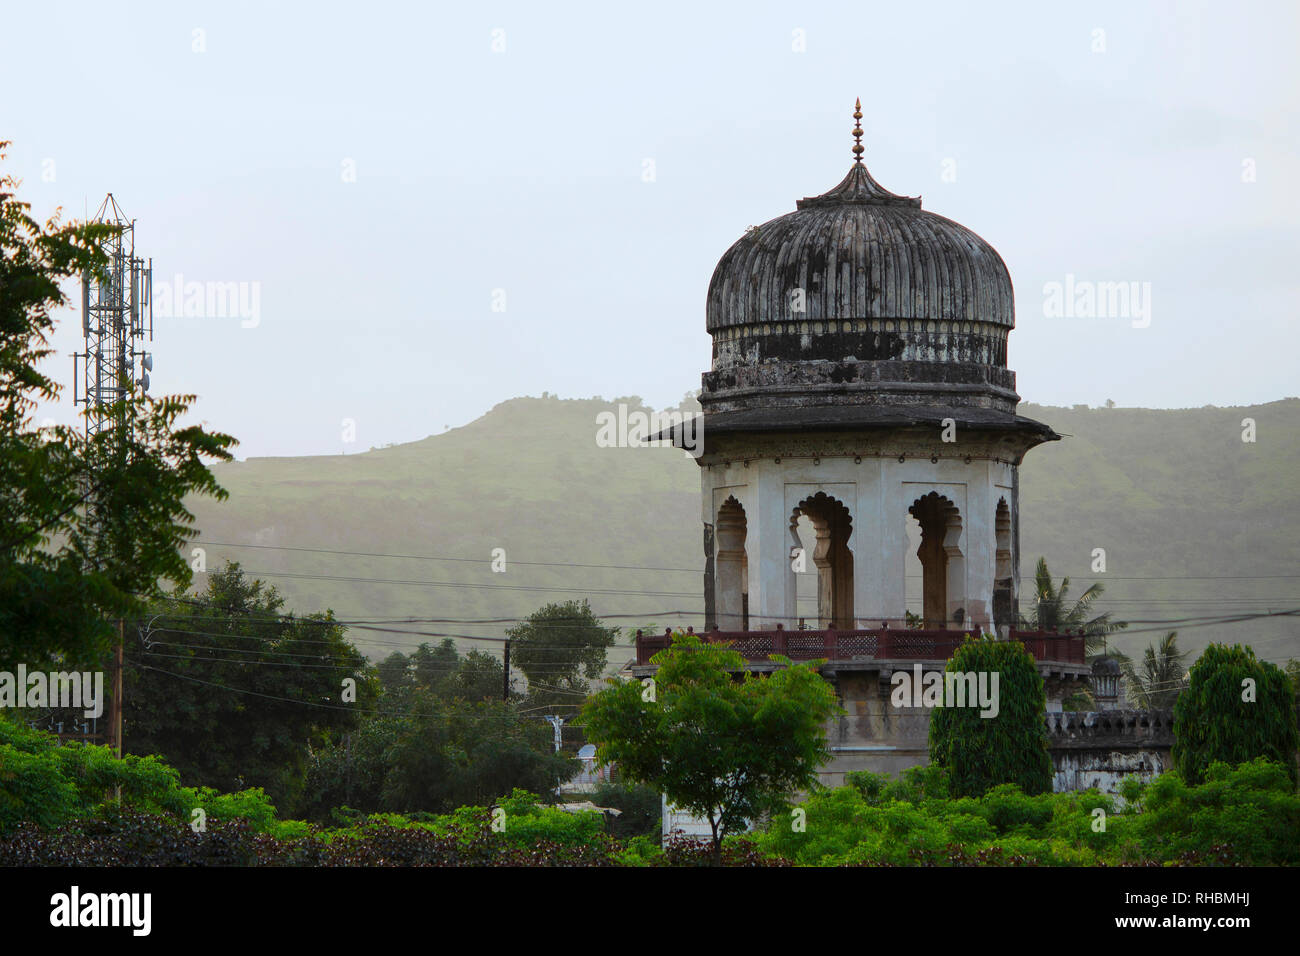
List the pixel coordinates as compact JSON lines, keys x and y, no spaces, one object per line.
{"x":350,"y":768}
{"x":559,"y":648}
{"x":231,"y":690}
{"x":1161,"y":679}
{"x":443,"y":672}
{"x":717,"y":740}
{"x":1236,"y":708}
{"x":394,"y":672}
{"x":441,"y":754}
{"x":478,"y":676}
{"x":641,"y":806}
{"x":981,"y":752}
{"x":433,"y":666}
{"x":1054,"y":612}
{"x":67,"y":569}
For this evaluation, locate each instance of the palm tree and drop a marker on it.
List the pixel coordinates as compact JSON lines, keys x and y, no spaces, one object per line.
{"x":1162,"y":677}
{"x":1054,"y":612}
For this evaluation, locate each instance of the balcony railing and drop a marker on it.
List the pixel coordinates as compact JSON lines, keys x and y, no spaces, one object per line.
{"x":882,"y":644}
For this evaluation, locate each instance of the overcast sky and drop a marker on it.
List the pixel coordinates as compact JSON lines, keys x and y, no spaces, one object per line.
{"x":374,"y":172}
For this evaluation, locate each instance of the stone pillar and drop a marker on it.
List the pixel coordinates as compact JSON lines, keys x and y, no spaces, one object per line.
{"x":1015,"y":542}
{"x":980,"y":545}
{"x":956,"y":599}
{"x":825,"y":575}
{"x":710,"y":597}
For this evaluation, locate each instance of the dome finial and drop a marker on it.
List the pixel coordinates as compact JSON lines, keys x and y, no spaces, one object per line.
{"x":857,"y":131}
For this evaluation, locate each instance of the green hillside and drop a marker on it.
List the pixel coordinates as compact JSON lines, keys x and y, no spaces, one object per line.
{"x":1169,"y":494}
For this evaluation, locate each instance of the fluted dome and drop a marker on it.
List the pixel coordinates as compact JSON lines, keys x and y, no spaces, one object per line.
{"x":860,"y":252}
{"x":860,"y":297}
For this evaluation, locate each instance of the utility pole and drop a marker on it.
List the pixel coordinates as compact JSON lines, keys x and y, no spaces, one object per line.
{"x":505,"y":686}
{"x":557,"y":723}
{"x":115,"y":709}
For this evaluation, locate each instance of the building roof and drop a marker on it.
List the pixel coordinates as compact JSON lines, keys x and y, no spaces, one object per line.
{"x":859,"y":417}
{"x":860,"y":252}
{"x":860,"y":297}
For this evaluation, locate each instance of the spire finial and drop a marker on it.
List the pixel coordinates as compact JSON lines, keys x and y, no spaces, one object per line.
{"x":857,"y":131}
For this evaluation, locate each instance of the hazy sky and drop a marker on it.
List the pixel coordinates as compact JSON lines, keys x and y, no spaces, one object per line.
{"x":375,"y":171}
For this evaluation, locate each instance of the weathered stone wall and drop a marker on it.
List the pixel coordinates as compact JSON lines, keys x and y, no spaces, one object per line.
{"x":1097,"y":749}
{"x":1100,"y":749}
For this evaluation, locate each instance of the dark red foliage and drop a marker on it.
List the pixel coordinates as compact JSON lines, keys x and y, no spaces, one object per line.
{"x":135,"y":839}
{"x":684,"y":851}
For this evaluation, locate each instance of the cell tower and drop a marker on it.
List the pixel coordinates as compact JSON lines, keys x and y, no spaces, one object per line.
{"x":116,"y":319}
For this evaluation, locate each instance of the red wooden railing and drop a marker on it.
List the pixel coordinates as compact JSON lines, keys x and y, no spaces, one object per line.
{"x":881,"y":644}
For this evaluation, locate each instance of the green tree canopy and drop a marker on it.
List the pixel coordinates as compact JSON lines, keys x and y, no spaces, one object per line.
{"x":478,"y":676}
{"x":717,"y":740}
{"x":443,"y":672}
{"x":88,"y":530}
{"x":1236,"y":708}
{"x":394,"y":672}
{"x":981,"y":752}
{"x":560,"y":648}
{"x":231,"y":691}
{"x":433,"y":666}
{"x":439,"y":754}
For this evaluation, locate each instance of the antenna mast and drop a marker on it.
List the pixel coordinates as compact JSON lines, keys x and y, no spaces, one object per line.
{"x":116,"y":320}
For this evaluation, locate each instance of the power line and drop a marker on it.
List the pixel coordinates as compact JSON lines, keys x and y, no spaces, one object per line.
{"x":289,"y":617}
{"x":392,"y":582}
{"x":309,"y":703}
{"x":429,"y":557}
{"x":289,"y":639}
{"x":635,"y":567}
{"x":256,"y":663}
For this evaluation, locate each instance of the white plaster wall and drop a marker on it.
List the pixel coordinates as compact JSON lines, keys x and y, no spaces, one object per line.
{"x":682,"y":823}
{"x":878,"y":493}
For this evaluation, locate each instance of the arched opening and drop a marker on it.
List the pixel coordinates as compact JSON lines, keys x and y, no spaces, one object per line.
{"x":831,"y":525}
{"x":1003,"y":585}
{"x":942,"y":568}
{"x":732,"y":571}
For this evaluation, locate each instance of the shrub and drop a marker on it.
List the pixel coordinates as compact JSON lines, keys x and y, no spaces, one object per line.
{"x":1009,"y":810}
{"x":1011,"y":747}
{"x":33,"y":788}
{"x":1247,"y":814}
{"x":1213,"y":720}
{"x":528,"y":823}
{"x":47,"y":783}
{"x":640,"y":851}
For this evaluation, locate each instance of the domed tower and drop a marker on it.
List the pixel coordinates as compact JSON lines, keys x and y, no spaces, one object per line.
{"x":860,"y":376}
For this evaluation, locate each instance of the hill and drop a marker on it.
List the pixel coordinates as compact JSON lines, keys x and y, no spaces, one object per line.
{"x":1195,"y":522}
